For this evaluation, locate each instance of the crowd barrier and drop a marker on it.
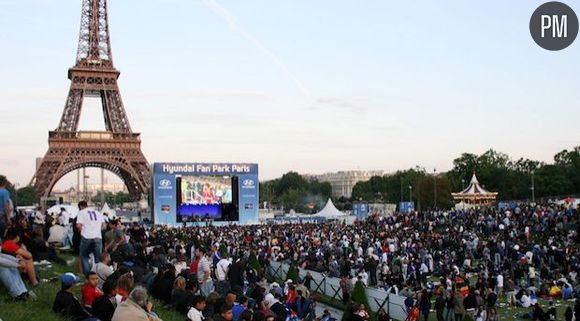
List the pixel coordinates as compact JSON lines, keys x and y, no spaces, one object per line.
{"x":378,"y":298}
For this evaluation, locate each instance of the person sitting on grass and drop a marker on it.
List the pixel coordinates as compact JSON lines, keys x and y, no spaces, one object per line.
{"x":90,"y":291}
{"x":10,"y":277}
{"x":103,"y":269}
{"x":41,"y":250}
{"x":195,"y":313}
{"x":136,"y":308}
{"x":65,"y":302}
{"x":104,"y":306}
{"x":225,"y":313}
{"x":125,"y":284}
{"x":11,"y":247}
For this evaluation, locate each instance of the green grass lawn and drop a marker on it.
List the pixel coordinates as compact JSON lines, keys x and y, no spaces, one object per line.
{"x":41,"y":309}
{"x":505,"y":313}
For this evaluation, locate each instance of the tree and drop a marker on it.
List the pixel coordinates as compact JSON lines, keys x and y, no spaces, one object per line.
{"x":290,"y":181}
{"x":292,"y":191}
{"x":293,"y":273}
{"x":255,"y":264}
{"x":108,"y":197}
{"x":359,"y":295}
{"x":25,"y":196}
{"x":121,"y":198}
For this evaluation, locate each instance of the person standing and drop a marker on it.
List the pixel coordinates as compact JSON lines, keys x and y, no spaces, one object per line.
{"x":90,"y":224}
{"x":4,"y":205}
{"x":222,"y":285}
{"x":204,"y":273}
{"x":459,"y":308}
{"x":345,"y":287}
{"x":440,"y":306}
{"x":499,"y":285}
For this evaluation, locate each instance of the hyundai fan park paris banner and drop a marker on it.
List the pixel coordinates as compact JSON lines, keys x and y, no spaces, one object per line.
{"x":194,"y":193}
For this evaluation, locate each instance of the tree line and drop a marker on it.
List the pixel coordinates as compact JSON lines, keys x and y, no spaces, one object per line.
{"x":497,"y":172}
{"x":294,"y":191}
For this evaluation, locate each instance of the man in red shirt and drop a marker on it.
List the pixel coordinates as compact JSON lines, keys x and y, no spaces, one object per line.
{"x":90,"y":291}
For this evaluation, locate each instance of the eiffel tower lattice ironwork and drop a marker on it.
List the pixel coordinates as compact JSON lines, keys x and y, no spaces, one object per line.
{"x":116,"y":149}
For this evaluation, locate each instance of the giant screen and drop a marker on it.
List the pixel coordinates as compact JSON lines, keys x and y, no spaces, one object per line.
{"x":196,"y":192}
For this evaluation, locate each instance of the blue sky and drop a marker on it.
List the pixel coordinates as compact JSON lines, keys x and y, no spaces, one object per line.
{"x":311,"y":86}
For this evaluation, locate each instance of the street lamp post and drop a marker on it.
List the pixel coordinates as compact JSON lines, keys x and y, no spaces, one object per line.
{"x":434,"y":188}
{"x":410,"y":188}
{"x":462,"y":184}
{"x":533,"y":189}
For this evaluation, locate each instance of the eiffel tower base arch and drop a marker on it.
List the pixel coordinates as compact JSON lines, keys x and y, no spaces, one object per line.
{"x":119,"y":153}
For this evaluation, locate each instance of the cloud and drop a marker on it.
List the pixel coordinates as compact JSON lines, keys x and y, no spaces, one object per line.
{"x":32,"y":96}
{"x":340,"y":103}
{"x":231,"y":20}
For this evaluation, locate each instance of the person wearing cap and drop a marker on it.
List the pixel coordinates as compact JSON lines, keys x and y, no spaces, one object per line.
{"x":65,"y":302}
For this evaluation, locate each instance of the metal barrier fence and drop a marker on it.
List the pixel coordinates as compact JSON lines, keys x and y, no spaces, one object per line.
{"x":393,"y":304}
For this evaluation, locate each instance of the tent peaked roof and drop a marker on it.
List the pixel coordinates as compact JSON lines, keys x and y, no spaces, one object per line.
{"x":107,"y":209}
{"x":474,"y":187}
{"x":474,"y":180}
{"x":330,"y":211}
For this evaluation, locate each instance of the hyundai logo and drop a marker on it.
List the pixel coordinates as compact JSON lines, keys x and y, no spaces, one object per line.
{"x":165,"y":184}
{"x":248,"y":183}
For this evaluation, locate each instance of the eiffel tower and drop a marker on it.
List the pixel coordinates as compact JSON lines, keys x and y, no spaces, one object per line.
{"x":118,"y":148}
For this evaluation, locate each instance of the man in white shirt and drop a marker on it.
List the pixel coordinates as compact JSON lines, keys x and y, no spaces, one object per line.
{"x":103,"y":269}
{"x":525,"y":301}
{"x":499,"y":280}
{"x":221,"y":274}
{"x":90,"y":223}
{"x":39,"y":217}
{"x":204,"y":273}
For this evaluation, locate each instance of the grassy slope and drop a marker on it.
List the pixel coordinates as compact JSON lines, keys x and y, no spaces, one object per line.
{"x":41,"y":309}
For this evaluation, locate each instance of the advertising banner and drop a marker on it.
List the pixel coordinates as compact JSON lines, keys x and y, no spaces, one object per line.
{"x":165,"y":188}
{"x":360,"y":210}
{"x":406,"y":207}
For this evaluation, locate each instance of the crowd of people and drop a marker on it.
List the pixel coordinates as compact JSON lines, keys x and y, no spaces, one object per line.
{"x":456,"y":263}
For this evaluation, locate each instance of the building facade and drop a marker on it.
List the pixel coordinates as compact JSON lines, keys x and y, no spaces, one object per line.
{"x":342,"y":182}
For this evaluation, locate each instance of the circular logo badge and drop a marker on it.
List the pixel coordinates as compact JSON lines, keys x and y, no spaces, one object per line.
{"x":554,"y":26}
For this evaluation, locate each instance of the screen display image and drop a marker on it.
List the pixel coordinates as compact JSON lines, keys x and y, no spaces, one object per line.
{"x":206,"y":190}
{"x":201,"y":198}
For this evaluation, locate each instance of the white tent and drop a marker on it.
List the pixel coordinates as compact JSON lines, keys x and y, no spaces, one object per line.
{"x":107,"y":209}
{"x":330,"y":212}
{"x":73,"y":210}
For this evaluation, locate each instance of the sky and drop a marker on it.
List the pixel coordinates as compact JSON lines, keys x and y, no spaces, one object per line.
{"x":308,"y":86}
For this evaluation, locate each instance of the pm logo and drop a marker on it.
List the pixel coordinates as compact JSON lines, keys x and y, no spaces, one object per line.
{"x":248,"y":183}
{"x":164,"y":184}
{"x":554,"y":26}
